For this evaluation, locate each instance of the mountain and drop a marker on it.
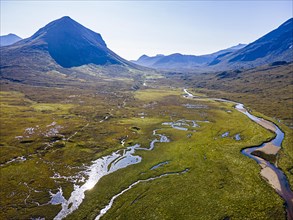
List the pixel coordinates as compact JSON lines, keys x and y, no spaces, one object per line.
{"x":9,"y":39}
{"x":173,"y":61}
{"x":68,"y":43}
{"x":277,"y":45}
{"x":180,"y":61}
{"x":145,"y":60}
{"x":273,"y":47}
{"x":60,"y":51}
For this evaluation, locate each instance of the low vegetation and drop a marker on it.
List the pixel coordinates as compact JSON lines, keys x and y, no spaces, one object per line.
{"x":63,"y":130}
{"x":267,"y":89}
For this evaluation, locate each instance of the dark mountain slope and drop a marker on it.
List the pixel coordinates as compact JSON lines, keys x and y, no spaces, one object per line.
{"x":68,"y":43}
{"x":71,"y":44}
{"x":61,"y":49}
{"x":228,"y":50}
{"x":274,"y":46}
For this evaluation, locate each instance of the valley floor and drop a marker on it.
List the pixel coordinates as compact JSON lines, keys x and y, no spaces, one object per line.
{"x":50,"y":138}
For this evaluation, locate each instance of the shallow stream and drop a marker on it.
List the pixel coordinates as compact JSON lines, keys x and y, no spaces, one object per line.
{"x":99,"y":168}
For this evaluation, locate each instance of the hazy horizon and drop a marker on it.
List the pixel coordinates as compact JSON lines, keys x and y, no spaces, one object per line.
{"x":134,"y":28}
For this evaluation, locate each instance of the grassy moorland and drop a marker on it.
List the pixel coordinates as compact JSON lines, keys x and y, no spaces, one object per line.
{"x":267,"y":89}
{"x":220,"y":178}
{"x":59,"y":130}
{"x":54,"y":131}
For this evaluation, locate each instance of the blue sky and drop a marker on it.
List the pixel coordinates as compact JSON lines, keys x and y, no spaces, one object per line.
{"x":133,"y":28}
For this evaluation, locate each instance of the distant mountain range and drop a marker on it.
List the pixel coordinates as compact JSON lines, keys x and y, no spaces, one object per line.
{"x":274,"y":46}
{"x":9,"y":39}
{"x":180,"y":61}
{"x":63,"y":45}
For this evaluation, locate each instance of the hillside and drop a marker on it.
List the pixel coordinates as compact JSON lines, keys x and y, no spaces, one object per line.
{"x":277,"y":45}
{"x":59,"y":53}
{"x":267,"y":89}
{"x":86,"y":134}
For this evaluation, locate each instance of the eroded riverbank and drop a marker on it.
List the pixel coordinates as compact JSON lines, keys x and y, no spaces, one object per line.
{"x":274,"y":176}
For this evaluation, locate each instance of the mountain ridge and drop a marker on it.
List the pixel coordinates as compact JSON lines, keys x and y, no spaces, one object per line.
{"x":277,"y":45}
{"x":9,"y":39}
{"x":177,"y":60}
{"x":60,"y":52}
{"x":273,"y":46}
{"x":69,"y":44}
{"x":64,"y":43}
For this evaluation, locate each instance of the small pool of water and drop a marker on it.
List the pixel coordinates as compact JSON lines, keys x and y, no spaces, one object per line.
{"x":159,"y":165}
{"x":226,"y":134}
{"x":237,"y":137}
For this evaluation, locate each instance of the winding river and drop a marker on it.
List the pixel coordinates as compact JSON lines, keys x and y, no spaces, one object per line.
{"x":274,"y":176}
{"x":270,"y":172}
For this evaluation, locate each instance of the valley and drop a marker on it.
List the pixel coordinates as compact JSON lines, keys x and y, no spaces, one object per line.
{"x":266,"y":88}
{"x":87,"y":134}
{"x":65,"y":136}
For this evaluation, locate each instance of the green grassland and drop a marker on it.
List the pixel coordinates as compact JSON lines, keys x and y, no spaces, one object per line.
{"x":267,"y":89}
{"x":220,"y":178}
{"x":29,"y":120}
